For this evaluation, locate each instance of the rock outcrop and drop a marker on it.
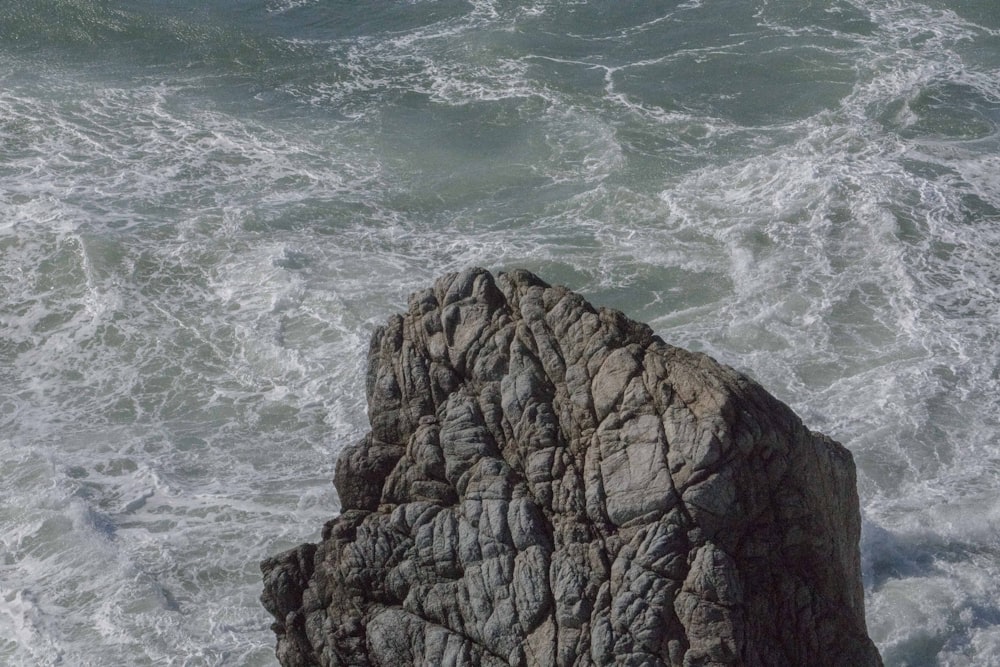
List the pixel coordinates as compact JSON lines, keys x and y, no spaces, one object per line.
{"x":546,"y":483}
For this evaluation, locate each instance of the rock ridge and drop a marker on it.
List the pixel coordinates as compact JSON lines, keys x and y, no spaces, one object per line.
{"x":546,"y":483}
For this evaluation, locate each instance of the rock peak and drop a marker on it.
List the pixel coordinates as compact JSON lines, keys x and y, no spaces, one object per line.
{"x":546,"y":483}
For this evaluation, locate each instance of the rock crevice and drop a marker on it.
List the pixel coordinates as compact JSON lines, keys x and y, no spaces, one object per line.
{"x":546,"y":483}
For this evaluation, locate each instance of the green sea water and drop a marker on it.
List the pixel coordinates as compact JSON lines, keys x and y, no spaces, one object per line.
{"x":206,"y":208}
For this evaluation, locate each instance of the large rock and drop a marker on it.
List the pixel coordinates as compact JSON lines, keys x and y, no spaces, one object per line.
{"x":549,"y":484}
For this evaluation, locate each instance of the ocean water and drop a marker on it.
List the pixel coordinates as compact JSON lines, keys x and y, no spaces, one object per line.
{"x":206,"y":208}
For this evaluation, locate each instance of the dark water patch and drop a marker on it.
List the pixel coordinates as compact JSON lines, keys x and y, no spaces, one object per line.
{"x":948,"y":110}
{"x":344,"y":19}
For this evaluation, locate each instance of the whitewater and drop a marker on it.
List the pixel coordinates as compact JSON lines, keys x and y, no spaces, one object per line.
{"x":207,"y":208}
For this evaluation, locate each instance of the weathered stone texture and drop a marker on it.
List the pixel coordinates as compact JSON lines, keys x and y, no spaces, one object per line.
{"x":549,"y":484}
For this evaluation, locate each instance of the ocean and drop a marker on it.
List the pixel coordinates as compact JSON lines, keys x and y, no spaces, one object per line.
{"x":206,"y":209}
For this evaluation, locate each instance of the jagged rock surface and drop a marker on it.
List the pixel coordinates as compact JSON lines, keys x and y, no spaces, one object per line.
{"x":549,"y":484}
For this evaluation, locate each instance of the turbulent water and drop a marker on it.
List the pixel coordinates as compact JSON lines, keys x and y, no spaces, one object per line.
{"x":205,"y":209}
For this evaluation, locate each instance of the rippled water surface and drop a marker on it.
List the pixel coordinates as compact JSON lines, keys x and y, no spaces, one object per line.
{"x":205,"y":209}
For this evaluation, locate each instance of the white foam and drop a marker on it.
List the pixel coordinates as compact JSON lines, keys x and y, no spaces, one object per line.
{"x":282,"y":6}
{"x":189,"y":287}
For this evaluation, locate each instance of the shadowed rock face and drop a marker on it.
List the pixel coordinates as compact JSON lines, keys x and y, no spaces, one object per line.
{"x":549,"y":484}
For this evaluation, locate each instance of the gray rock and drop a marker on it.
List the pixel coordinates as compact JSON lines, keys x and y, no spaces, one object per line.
{"x":549,"y":484}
